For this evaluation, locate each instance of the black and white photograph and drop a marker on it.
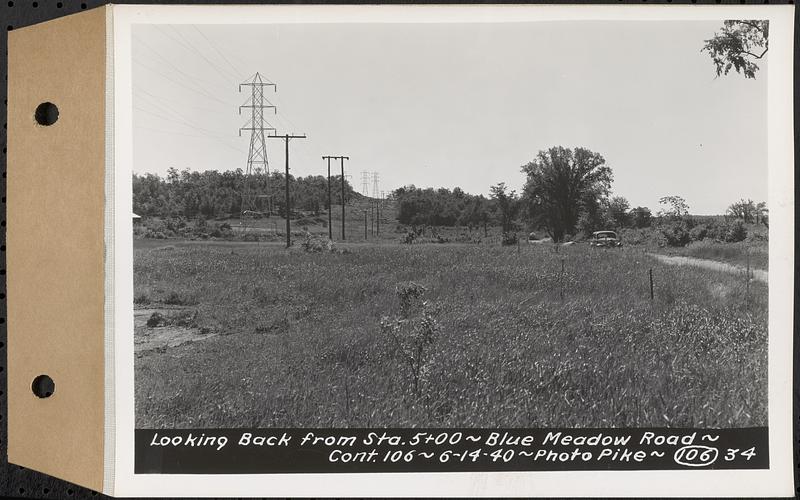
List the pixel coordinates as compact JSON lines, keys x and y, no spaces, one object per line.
{"x":559,"y":224}
{"x":456,"y":239}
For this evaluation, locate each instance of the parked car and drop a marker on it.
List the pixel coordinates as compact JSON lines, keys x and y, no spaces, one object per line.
{"x":605,"y":239}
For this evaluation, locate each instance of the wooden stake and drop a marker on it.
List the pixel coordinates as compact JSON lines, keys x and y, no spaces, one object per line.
{"x":651,"y":283}
{"x":747,"y":277}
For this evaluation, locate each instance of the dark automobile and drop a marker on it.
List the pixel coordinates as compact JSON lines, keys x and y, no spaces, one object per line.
{"x":605,"y":239}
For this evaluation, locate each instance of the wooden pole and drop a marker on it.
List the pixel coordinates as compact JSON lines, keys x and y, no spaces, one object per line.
{"x":747,"y":277}
{"x":343,"y":217}
{"x":330,"y":204}
{"x":288,"y":210}
{"x":365,"y":226}
{"x":286,"y":138}
{"x":561,"y":291}
{"x":651,"y":283}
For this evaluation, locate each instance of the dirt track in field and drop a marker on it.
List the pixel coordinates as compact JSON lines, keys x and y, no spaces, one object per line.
{"x":756,"y":274}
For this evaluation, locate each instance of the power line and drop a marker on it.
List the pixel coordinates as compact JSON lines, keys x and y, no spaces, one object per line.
{"x":191,"y":78}
{"x":192,"y":48}
{"x":235,"y":71}
{"x":202,"y":93}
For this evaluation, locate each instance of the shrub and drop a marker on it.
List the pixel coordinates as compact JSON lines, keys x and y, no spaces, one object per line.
{"x":410,"y":295}
{"x":176,"y":299}
{"x":699,"y":233}
{"x":735,"y":231}
{"x":510,"y":238}
{"x":676,"y":233}
{"x":315,"y":244}
{"x":141,"y":299}
{"x":414,"y":331}
{"x":156,"y":320}
{"x":185,"y":319}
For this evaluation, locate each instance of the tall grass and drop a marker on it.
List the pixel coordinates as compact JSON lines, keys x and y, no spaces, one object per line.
{"x":302,"y":342}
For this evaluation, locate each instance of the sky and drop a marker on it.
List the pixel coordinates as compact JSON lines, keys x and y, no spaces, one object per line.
{"x":446,"y":105}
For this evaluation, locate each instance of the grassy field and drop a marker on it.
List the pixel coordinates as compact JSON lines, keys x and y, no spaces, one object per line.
{"x":337,"y":339}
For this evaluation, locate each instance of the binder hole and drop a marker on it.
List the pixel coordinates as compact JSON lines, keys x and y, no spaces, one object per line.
{"x":43,"y":386}
{"x":46,"y":114}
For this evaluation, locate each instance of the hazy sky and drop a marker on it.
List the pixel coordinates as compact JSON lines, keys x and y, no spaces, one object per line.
{"x":459,"y":105}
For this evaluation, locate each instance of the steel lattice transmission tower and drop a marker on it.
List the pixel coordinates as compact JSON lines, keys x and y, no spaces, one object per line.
{"x":257,"y":161}
{"x":375,"y":192}
{"x":365,"y":183}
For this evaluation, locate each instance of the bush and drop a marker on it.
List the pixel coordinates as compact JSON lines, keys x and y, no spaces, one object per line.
{"x":510,"y":238}
{"x":156,"y":320}
{"x":176,"y":299}
{"x":699,"y":233}
{"x":315,"y":244}
{"x":676,"y":233}
{"x":735,"y":231}
{"x":413,"y":332}
{"x":142,"y":299}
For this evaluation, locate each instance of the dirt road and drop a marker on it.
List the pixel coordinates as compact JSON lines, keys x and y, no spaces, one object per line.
{"x":757,"y":274}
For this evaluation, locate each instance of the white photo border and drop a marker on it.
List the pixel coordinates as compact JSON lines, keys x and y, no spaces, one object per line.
{"x":778,"y":480}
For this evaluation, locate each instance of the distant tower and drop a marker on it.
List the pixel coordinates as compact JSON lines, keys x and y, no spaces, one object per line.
{"x":257,"y":162}
{"x":365,"y":183}
{"x":375,"y":192}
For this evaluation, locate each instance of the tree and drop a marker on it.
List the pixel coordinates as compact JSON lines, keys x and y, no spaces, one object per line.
{"x":562,"y":183}
{"x":762,"y":213}
{"x":743,"y":209}
{"x":507,"y":205}
{"x":738,"y":45}
{"x":749,"y":211}
{"x":675,"y":207}
{"x":617,"y":211}
{"x":640,"y":217}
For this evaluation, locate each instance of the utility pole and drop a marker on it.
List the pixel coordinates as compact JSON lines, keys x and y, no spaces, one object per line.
{"x":257,"y":163}
{"x":330,"y":205}
{"x":342,"y":159}
{"x":286,"y":138}
{"x":365,"y":226}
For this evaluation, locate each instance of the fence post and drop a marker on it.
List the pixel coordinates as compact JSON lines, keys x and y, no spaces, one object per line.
{"x":561,"y":290}
{"x":747,"y":277}
{"x":651,"y":283}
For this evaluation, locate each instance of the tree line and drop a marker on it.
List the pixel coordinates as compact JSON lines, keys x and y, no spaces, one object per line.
{"x":212,"y":194}
{"x":567,"y":193}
